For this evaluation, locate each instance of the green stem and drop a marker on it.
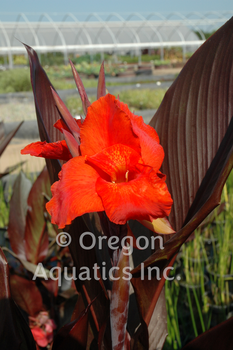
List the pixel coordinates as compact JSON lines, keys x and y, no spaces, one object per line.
{"x":199,"y":311}
{"x":191,"y":313}
{"x":173,"y":316}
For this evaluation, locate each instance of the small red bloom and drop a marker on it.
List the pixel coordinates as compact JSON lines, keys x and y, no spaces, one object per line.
{"x":117,"y":171}
{"x":42,"y":328}
{"x":40,"y":336}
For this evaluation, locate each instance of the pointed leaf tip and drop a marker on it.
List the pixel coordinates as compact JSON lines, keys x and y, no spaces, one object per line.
{"x":46,"y":111}
{"x":101,"y":89}
{"x":83,"y":95}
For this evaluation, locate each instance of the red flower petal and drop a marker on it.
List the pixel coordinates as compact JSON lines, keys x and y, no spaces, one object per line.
{"x":105,"y":125}
{"x":54,"y":150}
{"x":116,"y":161}
{"x":151,"y":151}
{"x":40,"y":336}
{"x":75,"y":193}
{"x":60,"y":124}
{"x":144,"y":198}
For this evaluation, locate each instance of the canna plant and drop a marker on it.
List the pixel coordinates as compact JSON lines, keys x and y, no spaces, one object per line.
{"x":114,"y":172}
{"x":195,"y":128}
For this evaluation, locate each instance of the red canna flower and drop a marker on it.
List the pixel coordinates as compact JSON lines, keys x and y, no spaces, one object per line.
{"x":117,"y":170}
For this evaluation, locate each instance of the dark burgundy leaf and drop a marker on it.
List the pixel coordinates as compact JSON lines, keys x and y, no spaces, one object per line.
{"x":8,"y":333}
{"x":101,"y":337}
{"x":78,"y":309}
{"x":25,"y":334}
{"x":208,"y":197}
{"x":71,"y":336}
{"x":74,"y":334}
{"x":8,"y":139}
{"x":210,"y":218}
{"x":71,"y":143}
{"x":148,"y":289}
{"x":140,"y":340}
{"x":101,"y":89}
{"x":193,"y":119}
{"x":14,"y":332}
{"x":17,"y":216}
{"x":219,"y":337}
{"x":82,"y":92}
{"x":36,"y":235}
{"x":26,"y":295}
{"x":51,"y":286}
{"x":69,"y":120}
{"x":92,"y":289}
{"x":46,"y":111}
{"x":194,"y":126}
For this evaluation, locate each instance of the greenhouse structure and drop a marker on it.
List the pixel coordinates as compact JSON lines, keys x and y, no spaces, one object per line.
{"x":106,"y":33}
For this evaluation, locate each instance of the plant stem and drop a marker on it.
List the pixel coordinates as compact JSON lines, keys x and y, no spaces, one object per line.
{"x":199,"y":311}
{"x":191,"y":313}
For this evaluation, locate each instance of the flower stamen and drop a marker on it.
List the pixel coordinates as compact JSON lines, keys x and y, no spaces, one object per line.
{"x":127,"y":176}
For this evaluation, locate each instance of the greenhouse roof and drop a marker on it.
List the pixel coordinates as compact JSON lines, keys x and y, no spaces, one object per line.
{"x":112,"y":33}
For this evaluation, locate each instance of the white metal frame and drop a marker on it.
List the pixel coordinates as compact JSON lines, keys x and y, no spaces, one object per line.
{"x":85,"y":42}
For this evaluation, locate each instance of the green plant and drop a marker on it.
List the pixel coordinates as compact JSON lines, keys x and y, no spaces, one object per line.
{"x":52,"y":58}
{"x":194,"y":280}
{"x":142,"y":99}
{"x":159,"y":63}
{"x":134,"y":59}
{"x":221,"y":268}
{"x":15,"y":80}
{"x":94,"y":68}
{"x":4,"y":208}
{"x":194,"y":257}
{"x":135,"y":99}
{"x":91,"y":58}
{"x":172,"y":290}
{"x":173,"y":53}
{"x":74,"y":104}
{"x":20,"y":60}
{"x":3,"y":59}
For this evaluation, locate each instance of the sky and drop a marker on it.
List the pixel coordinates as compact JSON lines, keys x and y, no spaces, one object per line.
{"x":120,"y":6}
